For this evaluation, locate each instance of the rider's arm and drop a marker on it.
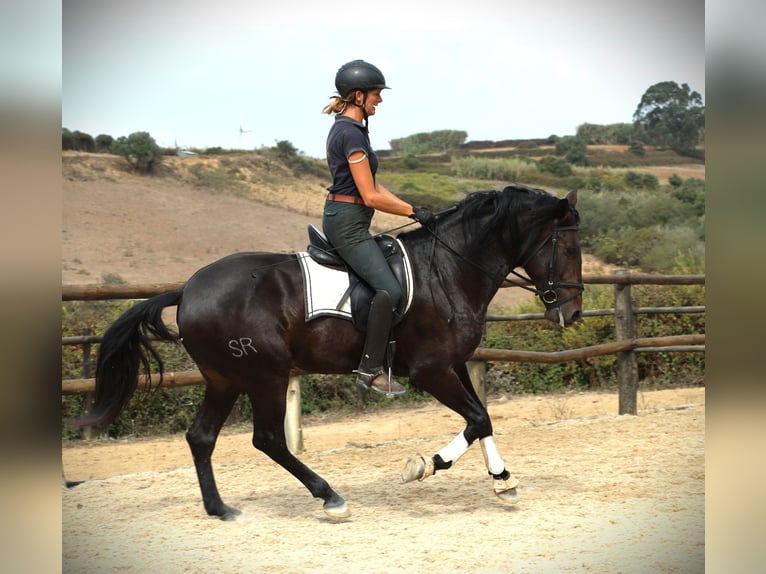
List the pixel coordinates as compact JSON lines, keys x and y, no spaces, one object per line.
{"x":375,"y":195}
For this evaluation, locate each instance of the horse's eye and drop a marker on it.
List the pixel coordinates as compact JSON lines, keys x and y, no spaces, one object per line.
{"x":570,"y":252}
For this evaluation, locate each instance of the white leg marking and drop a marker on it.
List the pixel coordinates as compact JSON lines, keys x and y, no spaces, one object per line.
{"x":492,"y":458}
{"x":455,"y":449}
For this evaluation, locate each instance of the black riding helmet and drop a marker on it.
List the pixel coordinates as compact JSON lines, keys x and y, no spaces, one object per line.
{"x":358,"y":75}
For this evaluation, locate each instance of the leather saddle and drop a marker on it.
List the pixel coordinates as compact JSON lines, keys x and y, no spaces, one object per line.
{"x":361,"y":294}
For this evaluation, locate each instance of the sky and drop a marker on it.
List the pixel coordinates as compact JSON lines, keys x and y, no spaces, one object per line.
{"x":192,"y":73}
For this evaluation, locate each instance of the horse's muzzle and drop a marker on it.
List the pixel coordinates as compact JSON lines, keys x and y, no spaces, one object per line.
{"x":564,"y":315}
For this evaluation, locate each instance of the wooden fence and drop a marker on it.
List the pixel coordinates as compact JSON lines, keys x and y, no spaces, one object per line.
{"x":625,"y":347}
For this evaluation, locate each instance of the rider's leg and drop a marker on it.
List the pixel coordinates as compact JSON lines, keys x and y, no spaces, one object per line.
{"x":347,"y":227}
{"x":371,"y":372}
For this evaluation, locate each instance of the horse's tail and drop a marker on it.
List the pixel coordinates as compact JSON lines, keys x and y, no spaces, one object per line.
{"x":125,"y":347}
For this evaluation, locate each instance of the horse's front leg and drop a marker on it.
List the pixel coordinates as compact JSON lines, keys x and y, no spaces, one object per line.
{"x":456,"y":392}
{"x":503,"y":482}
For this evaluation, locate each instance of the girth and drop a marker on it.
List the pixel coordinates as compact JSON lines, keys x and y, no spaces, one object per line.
{"x":361,"y":293}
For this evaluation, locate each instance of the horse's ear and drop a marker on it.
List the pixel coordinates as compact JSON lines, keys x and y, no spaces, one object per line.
{"x":566,"y":206}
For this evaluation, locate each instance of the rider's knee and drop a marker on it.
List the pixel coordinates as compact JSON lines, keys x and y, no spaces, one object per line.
{"x":392,"y":295}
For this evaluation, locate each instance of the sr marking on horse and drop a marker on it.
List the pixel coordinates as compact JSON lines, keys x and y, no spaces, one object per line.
{"x":241,"y":347}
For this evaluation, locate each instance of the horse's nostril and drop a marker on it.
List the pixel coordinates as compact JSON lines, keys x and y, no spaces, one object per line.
{"x":576,"y":316}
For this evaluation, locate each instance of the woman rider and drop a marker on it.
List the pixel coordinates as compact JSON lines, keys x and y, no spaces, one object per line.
{"x":354,"y":196}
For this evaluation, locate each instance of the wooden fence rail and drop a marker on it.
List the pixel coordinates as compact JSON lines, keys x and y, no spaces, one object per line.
{"x":625,"y":347}
{"x":188,"y":378}
{"x":106,"y":292}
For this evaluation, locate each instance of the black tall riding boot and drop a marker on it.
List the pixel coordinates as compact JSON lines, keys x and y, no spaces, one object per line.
{"x":371,"y":372}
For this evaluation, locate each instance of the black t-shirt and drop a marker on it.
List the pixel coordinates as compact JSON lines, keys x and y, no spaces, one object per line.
{"x":347,"y":136}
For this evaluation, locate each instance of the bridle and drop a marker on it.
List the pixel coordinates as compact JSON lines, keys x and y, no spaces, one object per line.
{"x":548,"y":294}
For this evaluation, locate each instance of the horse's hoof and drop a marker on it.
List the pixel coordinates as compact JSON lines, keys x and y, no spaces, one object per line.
{"x":414,"y":467}
{"x":228,"y":513}
{"x":336,"y":509}
{"x":417,"y":468}
{"x":510,"y":496}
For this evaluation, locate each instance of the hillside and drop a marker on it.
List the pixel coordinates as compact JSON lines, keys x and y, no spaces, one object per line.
{"x":162,"y":228}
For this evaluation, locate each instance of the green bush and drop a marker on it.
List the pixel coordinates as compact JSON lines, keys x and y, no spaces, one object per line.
{"x":555,"y":166}
{"x":644,"y":230}
{"x":542,"y":335}
{"x":637,"y":148}
{"x":638,"y":180}
{"x":656,"y":370}
{"x":140,"y":150}
{"x":691,"y":192}
{"x":574,"y":150}
{"x":104,"y":143}
{"x":298,"y":163}
{"x":429,"y":142}
{"x":409,"y":162}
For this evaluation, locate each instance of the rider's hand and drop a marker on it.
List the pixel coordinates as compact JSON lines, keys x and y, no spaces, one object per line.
{"x":423,"y":215}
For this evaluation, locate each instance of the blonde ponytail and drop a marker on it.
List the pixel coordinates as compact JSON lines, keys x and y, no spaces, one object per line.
{"x":338,"y":104}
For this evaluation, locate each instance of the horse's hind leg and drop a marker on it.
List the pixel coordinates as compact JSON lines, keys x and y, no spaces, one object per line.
{"x":269,"y":438}
{"x":202,"y":436}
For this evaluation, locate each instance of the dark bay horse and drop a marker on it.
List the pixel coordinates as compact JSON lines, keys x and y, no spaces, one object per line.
{"x":458,"y":265}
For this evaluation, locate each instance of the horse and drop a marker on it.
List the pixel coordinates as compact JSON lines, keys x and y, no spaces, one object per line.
{"x":242,"y":320}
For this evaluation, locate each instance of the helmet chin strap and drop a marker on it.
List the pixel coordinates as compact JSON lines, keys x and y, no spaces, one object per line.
{"x":363,"y":105}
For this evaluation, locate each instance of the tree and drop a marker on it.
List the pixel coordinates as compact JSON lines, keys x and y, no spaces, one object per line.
{"x":67,"y":140}
{"x":82,"y":141}
{"x":286,"y":149}
{"x":442,"y":141}
{"x":574,"y":150}
{"x":605,"y":134}
{"x":104,"y":143}
{"x":141,"y":151}
{"x":670,"y":116}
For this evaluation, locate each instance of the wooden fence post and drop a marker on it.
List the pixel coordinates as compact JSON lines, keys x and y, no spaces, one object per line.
{"x":627,"y":367}
{"x":293,"y":427}
{"x":87,"y":372}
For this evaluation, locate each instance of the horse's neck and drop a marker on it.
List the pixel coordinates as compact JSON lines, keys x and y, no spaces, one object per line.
{"x":462,"y":269}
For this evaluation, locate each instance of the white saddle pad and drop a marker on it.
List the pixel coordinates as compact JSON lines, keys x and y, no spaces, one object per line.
{"x":324,"y":288}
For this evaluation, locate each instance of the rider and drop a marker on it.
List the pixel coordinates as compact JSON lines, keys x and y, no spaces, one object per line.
{"x":354,"y":196}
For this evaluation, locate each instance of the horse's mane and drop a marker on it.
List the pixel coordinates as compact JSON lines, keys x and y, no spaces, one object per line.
{"x":511,"y":215}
